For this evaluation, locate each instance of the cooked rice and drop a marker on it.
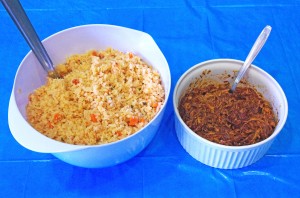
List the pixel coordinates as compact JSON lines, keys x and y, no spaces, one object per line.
{"x":104,"y":96}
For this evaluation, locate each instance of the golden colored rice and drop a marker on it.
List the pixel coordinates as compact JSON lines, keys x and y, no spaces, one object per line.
{"x":104,"y":96}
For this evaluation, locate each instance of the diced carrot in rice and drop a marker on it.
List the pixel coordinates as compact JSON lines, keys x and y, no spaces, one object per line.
{"x":113,"y":98}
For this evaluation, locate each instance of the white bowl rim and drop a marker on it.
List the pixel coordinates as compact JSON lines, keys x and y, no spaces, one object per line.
{"x":220,"y":146}
{"x":65,"y":147}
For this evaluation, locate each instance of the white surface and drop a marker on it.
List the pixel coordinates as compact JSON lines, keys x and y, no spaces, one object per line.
{"x":81,"y":39}
{"x":217,"y":155}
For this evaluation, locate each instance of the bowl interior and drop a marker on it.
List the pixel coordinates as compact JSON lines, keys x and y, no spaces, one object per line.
{"x":81,"y":39}
{"x":264,"y":83}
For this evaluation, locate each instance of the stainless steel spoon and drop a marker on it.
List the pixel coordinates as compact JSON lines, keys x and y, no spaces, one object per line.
{"x":259,"y":43}
{"x":18,"y":15}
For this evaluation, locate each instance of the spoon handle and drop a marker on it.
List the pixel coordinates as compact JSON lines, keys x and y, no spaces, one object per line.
{"x":18,"y":15}
{"x":260,"y":41}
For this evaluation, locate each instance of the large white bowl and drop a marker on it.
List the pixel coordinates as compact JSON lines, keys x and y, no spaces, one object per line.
{"x":30,"y":76}
{"x":217,"y":155}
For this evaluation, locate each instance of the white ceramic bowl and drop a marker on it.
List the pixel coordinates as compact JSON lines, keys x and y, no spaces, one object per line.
{"x":217,"y":155}
{"x":30,"y":76}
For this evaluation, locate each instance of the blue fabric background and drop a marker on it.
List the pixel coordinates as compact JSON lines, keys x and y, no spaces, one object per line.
{"x":188,"y":32}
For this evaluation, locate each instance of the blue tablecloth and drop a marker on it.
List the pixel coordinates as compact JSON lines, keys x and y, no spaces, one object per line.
{"x":187,"y":32}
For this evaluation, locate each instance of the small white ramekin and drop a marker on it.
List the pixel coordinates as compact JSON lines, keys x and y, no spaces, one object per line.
{"x":222,"y":156}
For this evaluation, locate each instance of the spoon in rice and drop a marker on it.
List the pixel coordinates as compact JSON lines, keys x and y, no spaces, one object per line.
{"x":18,"y":15}
{"x":259,"y":43}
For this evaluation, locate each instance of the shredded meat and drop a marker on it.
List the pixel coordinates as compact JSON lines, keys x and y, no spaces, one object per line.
{"x":243,"y":117}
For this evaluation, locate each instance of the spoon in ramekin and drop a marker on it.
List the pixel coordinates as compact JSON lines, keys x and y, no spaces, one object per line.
{"x":18,"y":15}
{"x":259,"y":43}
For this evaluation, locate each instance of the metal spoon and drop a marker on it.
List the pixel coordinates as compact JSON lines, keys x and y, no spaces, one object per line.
{"x":18,"y":15}
{"x":259,"y":43}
